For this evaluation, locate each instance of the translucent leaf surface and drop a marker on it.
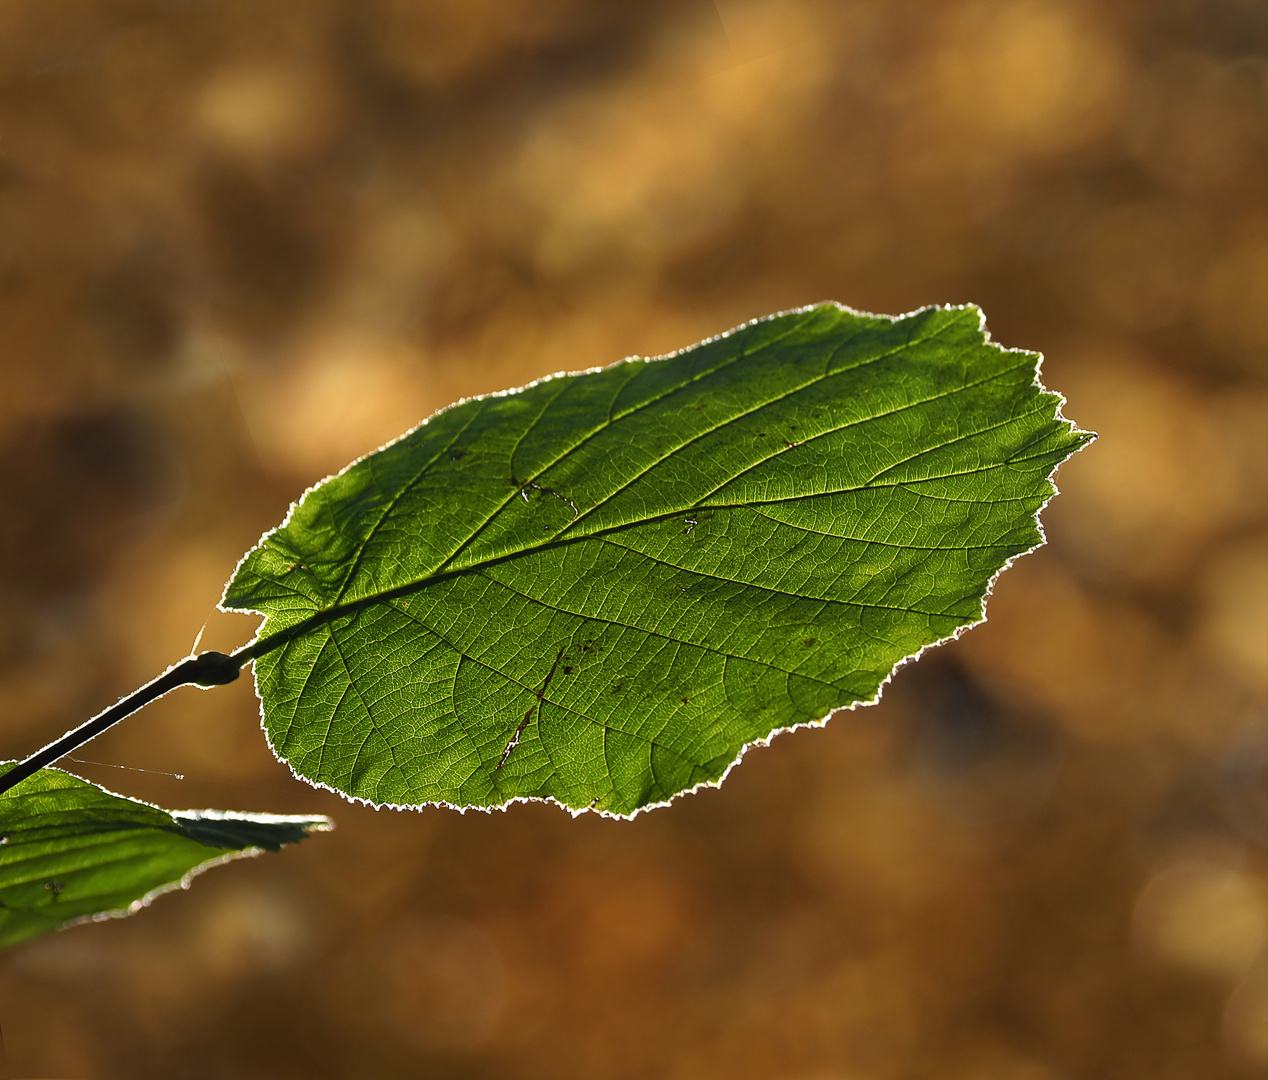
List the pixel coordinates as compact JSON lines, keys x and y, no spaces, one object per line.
{"x":70,"y":850}
{"x":601,"y":588}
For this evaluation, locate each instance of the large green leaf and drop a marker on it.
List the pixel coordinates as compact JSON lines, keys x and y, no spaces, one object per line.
{"x":601,"y":588}
{"x":72,"y":851}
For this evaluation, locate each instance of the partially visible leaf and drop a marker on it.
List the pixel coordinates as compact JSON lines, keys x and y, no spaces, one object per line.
{"x":601,"y":588}
{"x":71,"y":851}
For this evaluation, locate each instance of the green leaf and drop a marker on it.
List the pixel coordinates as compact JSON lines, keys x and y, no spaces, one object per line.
{"x":71,"y":851}
{"x":600,"y":589}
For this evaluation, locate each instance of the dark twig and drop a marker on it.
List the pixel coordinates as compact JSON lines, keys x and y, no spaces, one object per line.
{"x":206,"y":669}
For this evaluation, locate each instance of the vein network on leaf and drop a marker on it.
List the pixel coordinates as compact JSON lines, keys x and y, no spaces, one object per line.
{"x":599,"y":589}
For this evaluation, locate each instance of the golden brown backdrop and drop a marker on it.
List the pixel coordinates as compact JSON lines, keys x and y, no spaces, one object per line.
{"x":243,"y":242}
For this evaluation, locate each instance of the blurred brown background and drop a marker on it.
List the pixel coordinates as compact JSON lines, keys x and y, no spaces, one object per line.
{"x":241,"y":243}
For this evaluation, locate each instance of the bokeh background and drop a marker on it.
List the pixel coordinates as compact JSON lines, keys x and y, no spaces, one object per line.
{"x":242,"y":243}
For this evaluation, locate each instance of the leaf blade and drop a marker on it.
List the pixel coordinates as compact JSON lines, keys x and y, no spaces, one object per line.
{"x":591,"y":589}
{"x":71,"y":851}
